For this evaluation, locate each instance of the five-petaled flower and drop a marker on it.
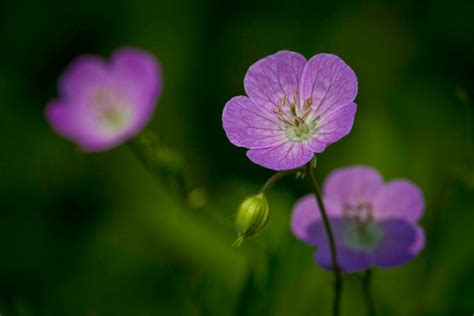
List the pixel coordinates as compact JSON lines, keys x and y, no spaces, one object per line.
{"x":374,"y":224}
{"x":294,"y":108}
{"x":103,"y":104}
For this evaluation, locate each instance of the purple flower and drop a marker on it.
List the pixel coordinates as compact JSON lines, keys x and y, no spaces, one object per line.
{"x":103,"y":104}
{"x":374,"y":224}
{"x":294,"y":108}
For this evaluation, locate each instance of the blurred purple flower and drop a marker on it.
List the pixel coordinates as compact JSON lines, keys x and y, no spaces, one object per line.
{"x":375,"y":224}
{"x":294,"y":108}
{"x":103,"y":104}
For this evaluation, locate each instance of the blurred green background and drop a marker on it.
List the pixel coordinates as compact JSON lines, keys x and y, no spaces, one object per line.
{"x":94,"y":234}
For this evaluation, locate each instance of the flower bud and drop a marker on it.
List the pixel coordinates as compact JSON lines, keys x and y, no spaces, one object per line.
{"x":251,"y":217}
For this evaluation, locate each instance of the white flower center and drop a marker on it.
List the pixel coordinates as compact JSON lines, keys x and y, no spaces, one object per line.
{"x":110,"y":109}
{"x":297,"y":121}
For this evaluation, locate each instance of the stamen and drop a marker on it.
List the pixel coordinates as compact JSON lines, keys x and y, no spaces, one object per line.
{"x":284,"y":100}
{"x":286,"y":121}
{"x":293,"y":109}
{"x":296,"y":97}
{"x":306,"y":113}
{"x":293,"y":117}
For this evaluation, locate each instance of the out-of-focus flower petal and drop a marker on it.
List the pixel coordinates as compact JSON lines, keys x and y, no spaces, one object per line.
{"x":395,"y":246}
{"x":139,"y":76}
{"x":83,"y":75}
{"x":399,"y":199}
{"x":419,"y":242}
{"x":349,"y":259}
{"x":305,"y":214}
{"x":352,"y":184}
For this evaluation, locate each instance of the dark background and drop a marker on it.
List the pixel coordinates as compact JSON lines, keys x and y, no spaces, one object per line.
{"x":94,"y":234}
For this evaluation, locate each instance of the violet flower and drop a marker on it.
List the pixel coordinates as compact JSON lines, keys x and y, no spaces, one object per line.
{"x":103,"y":104}
{"x":374,"y":224}
{"x":294,"y":108}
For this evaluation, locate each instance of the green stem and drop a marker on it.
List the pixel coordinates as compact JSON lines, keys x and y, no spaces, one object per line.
{"x":133,"y":146}
{"x":332,"y":246}
{"x":277,"y":176}
{"x":367,"y":293}
{"x":174,"y":183}
{"x":142,"y":159}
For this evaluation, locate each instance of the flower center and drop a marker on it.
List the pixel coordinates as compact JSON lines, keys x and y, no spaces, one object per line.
{"x":365,"y":240}
{"x":110,"y":109}
{"x":362,"y":232}
{"x":297,"y":121}
{"x":360,"y":213}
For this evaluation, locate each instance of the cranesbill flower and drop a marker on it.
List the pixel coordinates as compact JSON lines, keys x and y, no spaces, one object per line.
{"x":374,"y":224}
{"x":294,"y":108}
{"x":102,"y":104}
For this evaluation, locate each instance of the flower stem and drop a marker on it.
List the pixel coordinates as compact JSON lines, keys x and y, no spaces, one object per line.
{"x":367,"y":293}
{"x":332,"y":246}
{"x":277,"y":176}
{"x":159,"y":170}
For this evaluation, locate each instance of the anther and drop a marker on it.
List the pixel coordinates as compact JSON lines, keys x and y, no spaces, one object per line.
{"x":293,"y":109}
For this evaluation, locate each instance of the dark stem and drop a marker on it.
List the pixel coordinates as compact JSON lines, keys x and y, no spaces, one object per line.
{"x":367,"y":293}
{"x":277,"y":176}
{"x":332,"y":246}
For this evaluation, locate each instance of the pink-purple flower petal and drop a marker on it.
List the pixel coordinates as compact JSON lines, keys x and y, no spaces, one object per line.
{"x":139,"y":75}
{"x":349,"y":259}
{"x":64,"y":119}
{"x":419,"y":242}
{"x":333,"y":127}
{"x":285,"y":156}
{"x":246,"y":125}
{"x":305,"y":213}
{"x":352,"y":184}
{"x":273,"y":77}
{"x":394,"y":249}
{"x":329,"y":82}
{"x":399,"y":199}
{"x":82,"y":76}
{"x":77,"y":125}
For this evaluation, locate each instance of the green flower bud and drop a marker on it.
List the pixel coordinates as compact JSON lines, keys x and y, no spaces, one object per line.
{"x":251,"y":218}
